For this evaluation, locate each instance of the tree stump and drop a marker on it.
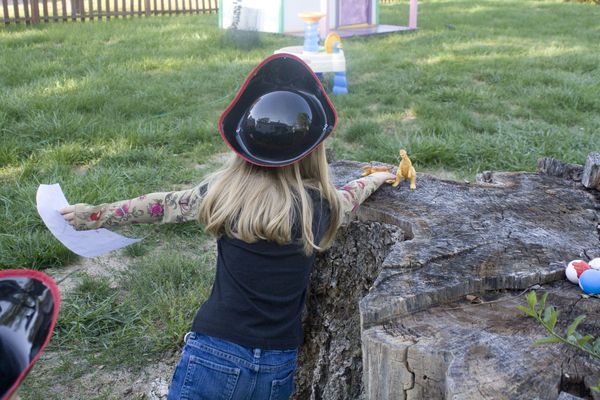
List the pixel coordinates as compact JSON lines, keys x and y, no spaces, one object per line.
{"x":395,"y":281}
{"x":330,"y":360}
{"x":591,"y":172}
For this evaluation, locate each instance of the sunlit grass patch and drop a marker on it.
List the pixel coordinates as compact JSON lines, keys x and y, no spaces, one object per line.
{"x":145,"y":312}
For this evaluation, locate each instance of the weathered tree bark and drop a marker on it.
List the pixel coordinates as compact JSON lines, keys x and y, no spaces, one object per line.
{"x":331,"y":366}
{"x":482,"y":350}
{"x":410,"y":261}
{"x":591,"y":172}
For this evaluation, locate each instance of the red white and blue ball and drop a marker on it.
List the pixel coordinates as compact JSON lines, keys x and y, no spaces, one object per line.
{"x":574,"y":270}
{"x":595,"y":263}
{"x":589,"y":281}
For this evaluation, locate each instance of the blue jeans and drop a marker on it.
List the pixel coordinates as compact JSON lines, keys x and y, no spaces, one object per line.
{"x":215,"y":369}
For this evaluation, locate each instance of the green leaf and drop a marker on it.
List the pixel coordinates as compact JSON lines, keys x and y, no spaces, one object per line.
{"x":546,"y":340}
{"x":571,"y":328}
{"x":597,"y":387}
{"x":552,"y":319}
{"x":532,"y":300}
{"x":583,"y":341}
{"x":527,"y":311}
{"x":543,"y":302}
{"x":596,"y":346}
{"x":547,"y":314}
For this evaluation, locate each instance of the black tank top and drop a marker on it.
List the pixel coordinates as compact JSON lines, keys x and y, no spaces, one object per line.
{"x":260,"y":289}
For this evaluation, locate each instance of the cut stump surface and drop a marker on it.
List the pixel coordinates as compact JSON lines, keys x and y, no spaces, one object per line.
{"x":498,"y":237}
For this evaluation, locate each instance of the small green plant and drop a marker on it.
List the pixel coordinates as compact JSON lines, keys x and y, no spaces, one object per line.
{"x":548,"y":317}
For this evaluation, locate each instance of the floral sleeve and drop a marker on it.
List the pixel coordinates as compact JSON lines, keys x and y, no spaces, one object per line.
{"x":355,"y":192}
{"x":161,"y":207}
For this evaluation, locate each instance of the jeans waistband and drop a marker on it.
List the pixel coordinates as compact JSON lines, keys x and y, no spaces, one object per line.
{"x":252,"y":358}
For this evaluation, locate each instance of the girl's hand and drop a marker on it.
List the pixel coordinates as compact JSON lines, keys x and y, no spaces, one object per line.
{"x":68,"y":214}
{"x":382,"y":177}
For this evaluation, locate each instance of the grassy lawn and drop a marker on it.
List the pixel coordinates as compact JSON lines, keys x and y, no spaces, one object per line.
{"x":113,"y":110}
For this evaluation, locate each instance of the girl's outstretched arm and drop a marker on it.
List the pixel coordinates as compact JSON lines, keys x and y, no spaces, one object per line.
{"x":161,"y":207}
{"x":355,"y":192}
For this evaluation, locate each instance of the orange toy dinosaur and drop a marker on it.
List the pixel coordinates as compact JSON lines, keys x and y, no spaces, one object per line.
{"x":370,"y":169}
{"x":405,"y":171}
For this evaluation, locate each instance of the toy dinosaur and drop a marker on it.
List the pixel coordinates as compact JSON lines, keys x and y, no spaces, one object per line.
{"x":370,"y":169}
{"x":406,"y":171}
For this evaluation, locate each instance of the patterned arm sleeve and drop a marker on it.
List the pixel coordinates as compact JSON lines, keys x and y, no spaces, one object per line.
{"x":355,"y":192}
{"x":161,"y":207}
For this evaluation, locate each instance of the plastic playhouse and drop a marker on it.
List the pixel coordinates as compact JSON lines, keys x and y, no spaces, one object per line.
{"x":346,"y":17}
{"x":328,"y":58}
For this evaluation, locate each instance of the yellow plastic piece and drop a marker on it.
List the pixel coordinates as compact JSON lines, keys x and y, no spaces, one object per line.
{"x":331,"y":40}
{"x":406,"y":171}
{"x":311,"y":16}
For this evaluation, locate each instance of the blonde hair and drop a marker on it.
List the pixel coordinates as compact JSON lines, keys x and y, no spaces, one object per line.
{"x":252,"y":203}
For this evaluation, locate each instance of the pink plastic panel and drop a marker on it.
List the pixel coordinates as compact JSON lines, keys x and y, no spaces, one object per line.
{"x":353,"y":12}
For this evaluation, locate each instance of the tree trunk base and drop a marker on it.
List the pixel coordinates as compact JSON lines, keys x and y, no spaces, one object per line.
{"x":398,"y":276}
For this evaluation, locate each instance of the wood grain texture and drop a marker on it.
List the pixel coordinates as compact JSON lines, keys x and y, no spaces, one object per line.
{"x":591,"y":172}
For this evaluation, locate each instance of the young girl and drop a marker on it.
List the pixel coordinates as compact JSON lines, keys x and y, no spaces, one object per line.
{"x":271,"y":207}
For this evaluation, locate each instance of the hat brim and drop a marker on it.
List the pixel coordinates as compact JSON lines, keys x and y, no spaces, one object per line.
{"x":29,"y":306}
{"x":280,"y":71}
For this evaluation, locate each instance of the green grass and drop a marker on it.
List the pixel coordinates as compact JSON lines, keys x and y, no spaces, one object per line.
{"x":138,"y":317}
{"x":109,"y":110}
{"x":483,"y":85}
{"x":113,"y":110}
{"x":147,"y":311}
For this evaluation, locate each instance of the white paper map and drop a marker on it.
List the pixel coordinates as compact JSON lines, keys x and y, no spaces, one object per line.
{"x":92,"y":243}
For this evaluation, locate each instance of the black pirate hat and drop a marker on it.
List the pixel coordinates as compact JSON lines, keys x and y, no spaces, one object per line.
{"x":29,"y":304}
{"x":280,"y":114}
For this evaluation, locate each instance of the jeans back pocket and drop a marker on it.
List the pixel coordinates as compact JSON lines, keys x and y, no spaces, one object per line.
{"x":206,"y":379}
{"x":281,"y":389}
